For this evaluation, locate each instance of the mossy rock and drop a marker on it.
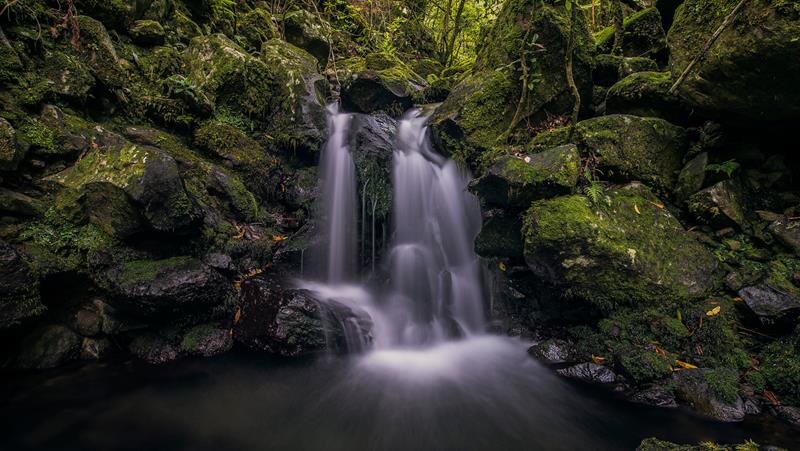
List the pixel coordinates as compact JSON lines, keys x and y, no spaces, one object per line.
{"x":481,"y":106}
{"x":67,"y":75}
{"x":257,"y":27}
{"x":379,"y":82}
{"x":654,"y":444}
{"x":19,"y":288}
{"x":628,"y":148}
{"x":98,"y":53}
{"x":117,"y":14}
{"x":310,"y":33}
{"x":148,"y":175}
{"x":514,"y":182}
{"x":426,"y":67}
{"x":500,"y":236}
{"x":10,"y":64}
{"x":644,"y":35}
{"x":624,"y":250}
{"x":692,"y":177}
{"x":779,"y":362}
{"x":721,"y":205}
{"x":647,"y":94}
{"x":748,"y":73}
{"x":11,"y":150}
{"x":206,"y":340}
{"x":163,"y":290}
{"x":147,"y":32}
{"x":48,"y":347}
{"x":609,"y":69}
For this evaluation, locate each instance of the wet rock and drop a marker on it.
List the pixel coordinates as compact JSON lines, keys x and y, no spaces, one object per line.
{"x":623,"y":249}
{"x":691,"y":177}
{"x":18,"y":204}
{"x":379,"y":82}
{"x":289,"y":322}
{"x":693,"y":388}
{"x":87,"y":321}
{"x":154,"y":348}
{"x":11,"y":151}
{"x":553,"y":350}
{"x":644,"y":35}
{"x":788,"y":414}
{"x":719,"y":205}
{"x":19,"y":288}
{"x":147,"y":32}
{"x":515,"y":182}
{"x":747,"y":73}
{"x":310,"y":33}
{"x":629,"y":148}
{"x":770,"y":303}
{"x":165,"y":289}
{"x":610,"y":69}
{"x":98,"y":53}
{"x":206,"y":340}
{"x":220,"y":262}
{"x":589,"y":372}
{"x":96,"y":348}
{"x":48,"y":347}
{"x":654,"y":395}
{"x":372,"y":143}
{"x":787,"y":231}
{"x":481,"y":105}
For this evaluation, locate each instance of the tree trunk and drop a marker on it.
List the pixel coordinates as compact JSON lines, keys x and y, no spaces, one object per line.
{"x":619,"y":30}
{"x":568,"y":57}
{"x":456,"y":31}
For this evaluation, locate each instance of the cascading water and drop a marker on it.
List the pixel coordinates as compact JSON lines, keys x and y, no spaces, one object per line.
{"x":435,"y":292}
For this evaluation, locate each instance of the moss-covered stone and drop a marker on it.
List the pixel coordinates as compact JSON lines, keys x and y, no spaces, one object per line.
{"x":643,"y":36}
{"x":257,"y":27}
{"x":654,"y":444}
{"x":481,"y":106}
{"x":691,"y":177}
{"x":19,"y":288}
{"x":748,"y":72}
{"x":649,"y":150}
{"x":500,"y":236}
{"x":206,"y":340}
{"x":67,"y":75}
{"x":48,"y":347}
{"x":147,"y":32}
{"x":720,"y":205}
{"x":609,"y":69}
{"x":10,"y":64}
{"x":11,"y":151}
{"x":98,"y":53}
{"x":780,"y":364}
{"x":515,"y":182}
{"x":117,"y":14}
{"x":627,"y":249}
{"x":426,"y":67}
{"x":309,"y":32}
{"x":379,"y":81}
{"x":647,"y":94}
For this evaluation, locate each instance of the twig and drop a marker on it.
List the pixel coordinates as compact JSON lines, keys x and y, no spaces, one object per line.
{"x":728,"y":20}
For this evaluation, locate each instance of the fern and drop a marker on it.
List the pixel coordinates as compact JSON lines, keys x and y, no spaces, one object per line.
{"x":727,"y":167}
{"x":594,"y":191}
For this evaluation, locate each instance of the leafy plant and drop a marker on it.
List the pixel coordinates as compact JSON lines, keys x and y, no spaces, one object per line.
{"x":727,"y":167}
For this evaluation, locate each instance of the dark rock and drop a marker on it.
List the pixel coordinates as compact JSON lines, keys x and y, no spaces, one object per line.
{"x":87,"y":321}
{"x":220,"y":262}
{"x":770,"y":303}
{"x":310,"y":33}
{"x":49,"y":347}
{"x":289,"y":322}
{"x":98,"y":53}
{"x":720,"y":205}
{"x":207,"y":340}
{"x":644,"y":35}
{"x":787,"y":231}
{"x":647,"y":94}
{"x":692,"y":176}
{"x":610,"y":69}
{"x":748,"y":72}
{"x":147,"y":32}
{"x":589,"y":372}
{"x":166,"y":289}
{"x":18,"y":204}
{"x":654,"y":395}
{"x":693,"y":389}
{"x":19,"y":288}
{"x":372,"y":143}
{"x":500,"y":236}
{"x":553,"y":350}
{"x":788,"y":414}
{"x":96,"y":348}
{"x":154,"y":348}
{"x":515,"y":182}
{"x":11,"y":151}
{"x":379,"y":82}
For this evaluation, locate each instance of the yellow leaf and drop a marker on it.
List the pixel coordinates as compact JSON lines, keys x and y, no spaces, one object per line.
{"x":737,"y":299}
{"x":636,"y":208}
{"x":658,"y":205}
{"x":713,"y":311}
{"x":681,"y":364}
{"x":597,"y":359}
{"x":279,"y":237}
{"x":502,"y":266}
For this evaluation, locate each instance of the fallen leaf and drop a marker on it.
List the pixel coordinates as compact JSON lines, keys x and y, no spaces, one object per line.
{"x":682,"y":364}
{"x":737,"y":299}
{"x":636,"y":208}
{"x":237,"y":316}
{"x":279,"y":237}
{"x":713,"y":311}
{"x":772,"y":398}
{"x":597,"y":359}
{"x":661,"y":351}
{"x":502,"y":266}
{"x":658,"y":205}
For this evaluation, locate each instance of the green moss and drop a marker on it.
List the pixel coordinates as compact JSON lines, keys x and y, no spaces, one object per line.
{"x":39,"y":136}
{"x":643,"y":365}
{"x":780,"y":365}
{"x":119,"y":166}
{"x":644,"y":34}
{"x":98,"y":52}
{"x":143,"y":271}
{"x":756,"y":381}
{"x":724,"y":382}
{"x":257,"y":27}
{"x":195,"y":336}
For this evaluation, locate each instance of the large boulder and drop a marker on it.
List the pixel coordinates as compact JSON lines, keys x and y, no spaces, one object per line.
{"x":11,"y":150}
{"x":372,"y":144}
{"x":710,"y":393}
{"x":482,"y":105}
{"x":48,"y":347}
{"x":147,"y":176}
{"x":644,"y":35}
{"x":625,"y":249}
{"x":379,"y":82}
{"x":720,"y":205}
{"x":779,"y":362}
{"x":515,"y":182}
{"x":165,"y":289}
{"x":609,"y":69}
{"x":19,"y":288}
{"x":776,"y":298}
{"x":257,"y":27}
{"x":500,"y":235}
{"x":309,"y":32}
{"x":647,"y":94}
{"x":291,"y":322}
{"x":628,"y":148}
{"x":749,"y":71}
{"x":98,"y":53}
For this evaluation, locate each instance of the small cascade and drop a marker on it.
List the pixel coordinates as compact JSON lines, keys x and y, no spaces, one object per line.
{"x":435,"y":292}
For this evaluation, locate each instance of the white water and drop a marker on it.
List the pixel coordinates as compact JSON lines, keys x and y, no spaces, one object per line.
{"x":435,"y":292}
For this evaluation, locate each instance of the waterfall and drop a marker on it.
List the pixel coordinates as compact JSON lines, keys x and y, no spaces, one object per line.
{"x":435,"y":291}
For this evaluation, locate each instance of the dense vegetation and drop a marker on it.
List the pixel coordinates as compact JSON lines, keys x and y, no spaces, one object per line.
{"x":633,"y":159}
